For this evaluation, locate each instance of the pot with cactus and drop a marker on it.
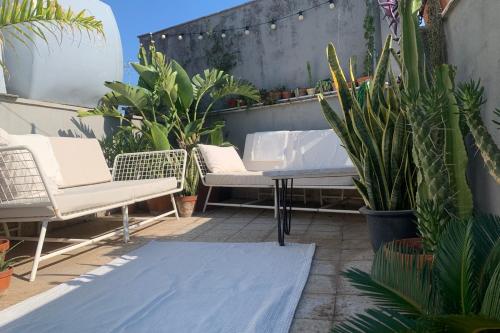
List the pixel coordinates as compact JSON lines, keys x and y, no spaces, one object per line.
{"x":373,"y":128}
{"x":312,"y":87}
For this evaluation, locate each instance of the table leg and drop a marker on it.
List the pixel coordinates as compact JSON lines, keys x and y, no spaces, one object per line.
{"x":284,"y":201}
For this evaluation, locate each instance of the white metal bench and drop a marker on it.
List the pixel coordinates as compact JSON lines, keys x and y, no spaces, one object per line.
{"x":26,"y":194}
{"x":317,"y":149}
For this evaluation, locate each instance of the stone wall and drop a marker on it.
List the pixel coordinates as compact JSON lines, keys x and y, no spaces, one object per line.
{"x":271,"y":58}
{"x":473,"y":31}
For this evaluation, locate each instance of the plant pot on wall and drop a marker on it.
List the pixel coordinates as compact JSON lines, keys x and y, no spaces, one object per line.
{"x":5,"y":278}
{"x":286,"y":94}
{"x":185,"y":205}
{"x":4,"y":245}
{"x":311,"y":91}
{"x":388,"y":226}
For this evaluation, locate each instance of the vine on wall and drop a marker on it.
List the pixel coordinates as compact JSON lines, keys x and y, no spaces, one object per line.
{"x":217,"y":55}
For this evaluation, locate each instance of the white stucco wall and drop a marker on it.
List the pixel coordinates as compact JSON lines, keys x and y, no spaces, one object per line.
{"x":473,"y":41}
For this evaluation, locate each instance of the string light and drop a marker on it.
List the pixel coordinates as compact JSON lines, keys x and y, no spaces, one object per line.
{"x":272,"y":24}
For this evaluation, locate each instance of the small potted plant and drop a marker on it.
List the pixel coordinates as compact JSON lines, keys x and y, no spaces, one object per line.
{"x":311,"y":90}
{"x":323,"y":86}
{"x":285,"y":93}
{"x":6,"y":266}
{"x":232,"y":103}
{"x":4,"y":245}
{"x":275,"y":94}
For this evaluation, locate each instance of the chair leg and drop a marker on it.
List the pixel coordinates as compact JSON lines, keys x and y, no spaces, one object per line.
{"x":175,"y":206}
{"x":38,"y":253}
{"x":126,"y":234}
{"x":206,"y":200}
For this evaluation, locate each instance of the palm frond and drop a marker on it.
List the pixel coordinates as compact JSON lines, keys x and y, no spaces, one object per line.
{"x":455,"y":270}
{"x":42,"y":17}
{"x":376,"y":321}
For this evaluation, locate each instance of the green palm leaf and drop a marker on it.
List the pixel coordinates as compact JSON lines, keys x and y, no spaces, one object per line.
{"x":40,"y":17}
{"x":376,"y":321}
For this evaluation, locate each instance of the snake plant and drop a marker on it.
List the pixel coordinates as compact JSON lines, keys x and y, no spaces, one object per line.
{"x":374,"y":130}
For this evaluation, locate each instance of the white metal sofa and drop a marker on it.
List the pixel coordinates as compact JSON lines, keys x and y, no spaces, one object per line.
{"x":316,"y":149}
{"x":83,"y":185}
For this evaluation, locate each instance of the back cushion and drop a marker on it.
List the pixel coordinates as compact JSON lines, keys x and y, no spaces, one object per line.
{"x":249,"y":153}
{"x":316,"y":149}
{"x":221,"y":159}
{"x":81,"y":162}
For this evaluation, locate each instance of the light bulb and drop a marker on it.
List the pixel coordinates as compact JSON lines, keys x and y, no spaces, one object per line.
{"x":180,"y":37}
{"x":332,"y":5}
{"x":247,"y":31}
{"x":152,"y":41}
{"x":223,"y":35}
{"x":163,"y":36}
{"x":273,"y":26}
{"x":301,"y":16}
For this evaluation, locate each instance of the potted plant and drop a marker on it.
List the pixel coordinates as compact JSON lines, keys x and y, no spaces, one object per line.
{"x":323,"y":86}
{"x":371,"y":138}
{"x":6,"y":268}
{"x":178,"y":113}
{"x":311,"y":90}
{"x":299,"y":92}
{"x":457,"y":293}
{"x":232,"y":103}
{"x":285,"y":93}
{"x":275,"y":94}
{"x":4,"y":245}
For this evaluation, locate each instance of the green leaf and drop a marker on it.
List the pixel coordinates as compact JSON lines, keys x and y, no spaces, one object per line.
{"x":137,"y":97}
{"x":183,"y":81}
{"x":159,"y":135}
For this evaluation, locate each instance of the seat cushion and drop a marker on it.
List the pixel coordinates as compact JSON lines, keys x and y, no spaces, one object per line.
{"x":81,"y":162}
{"x":81,"y":198}
{"x":255,"y":178}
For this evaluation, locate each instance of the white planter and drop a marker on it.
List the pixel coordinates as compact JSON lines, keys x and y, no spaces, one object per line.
{"x":68,"y":71}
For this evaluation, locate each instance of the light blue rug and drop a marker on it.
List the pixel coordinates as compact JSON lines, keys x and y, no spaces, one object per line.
{"x":175,"y":287}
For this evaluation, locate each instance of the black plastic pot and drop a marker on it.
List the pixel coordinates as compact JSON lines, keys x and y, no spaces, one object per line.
{"x":387,"y":226}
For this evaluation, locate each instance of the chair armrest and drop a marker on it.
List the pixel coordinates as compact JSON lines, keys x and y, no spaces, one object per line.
{"x":22,"y":180}
{"x":151,"y":165}
{"x":200,"y":164}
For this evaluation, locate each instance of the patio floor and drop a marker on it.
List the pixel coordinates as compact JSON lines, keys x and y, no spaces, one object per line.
{"x":341,"y":239}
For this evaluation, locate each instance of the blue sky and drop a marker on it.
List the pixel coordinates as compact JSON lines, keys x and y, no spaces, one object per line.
{"x":137,"y":17}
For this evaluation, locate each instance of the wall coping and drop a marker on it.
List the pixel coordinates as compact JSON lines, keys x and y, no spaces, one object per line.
{"x":14,"y":99}
{"x":449,"y":8}
{"x":281,"y":103}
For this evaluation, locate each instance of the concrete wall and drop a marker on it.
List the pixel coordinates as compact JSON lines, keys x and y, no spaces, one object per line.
{"x":23,"y":116}
{"x":473,"y":33}
{"x":297,"y":115}
{"x":272,"y":58}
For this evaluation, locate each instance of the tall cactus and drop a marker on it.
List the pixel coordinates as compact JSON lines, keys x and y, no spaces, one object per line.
{"x":471,"y":97}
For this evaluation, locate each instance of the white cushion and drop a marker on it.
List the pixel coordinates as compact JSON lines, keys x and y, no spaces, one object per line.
{"x":255,"y":178}
{"x":313,"y":150}
{"x":82,"y":162}
{"x":252,"y":165}
{"x":20,"y":177}
{"x":269,"y":146}
{"x":221,"y":159}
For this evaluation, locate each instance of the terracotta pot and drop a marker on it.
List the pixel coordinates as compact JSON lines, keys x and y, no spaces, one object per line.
{"x":232,"y":103}
{"x":160,"y":205}
{"x":275,"y":95}
{"x":300,"y":92}
{"x":4,"y":245}
{"x":362,"y":79}
{"x":285,"y":94}
{"x":185,"y":205}
{"x":5,"y":277}
{"x":416,"y":248}
{"x":311,"y":91}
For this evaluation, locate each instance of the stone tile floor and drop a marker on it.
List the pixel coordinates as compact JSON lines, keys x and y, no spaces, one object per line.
{"x":341,"y":239}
